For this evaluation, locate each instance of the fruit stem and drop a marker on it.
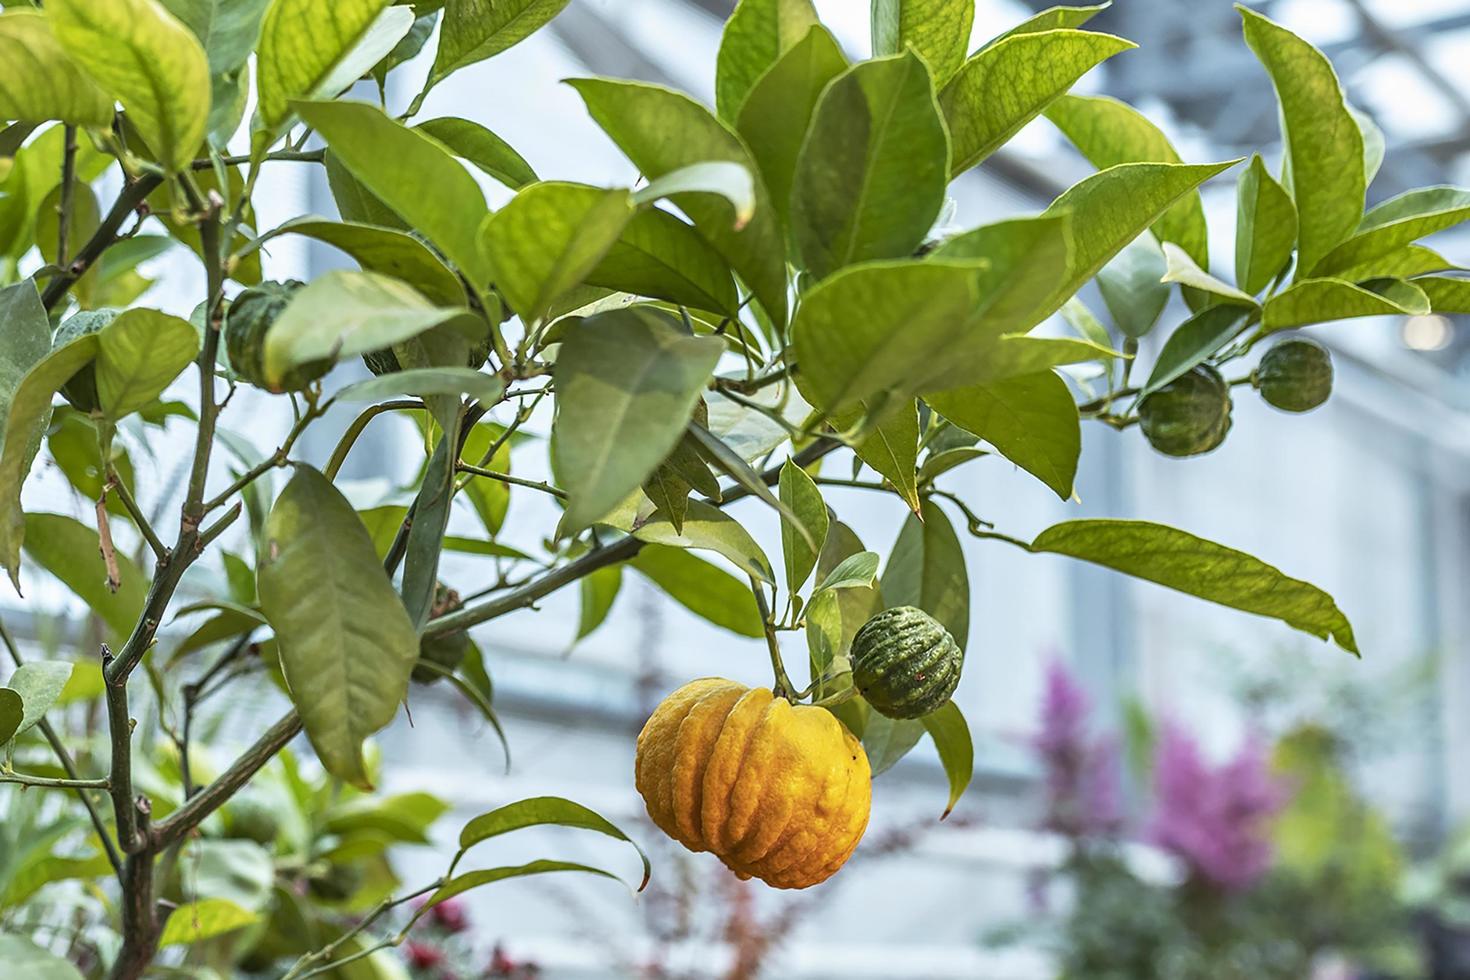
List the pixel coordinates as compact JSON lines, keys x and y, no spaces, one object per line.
{"x":782,"y":688}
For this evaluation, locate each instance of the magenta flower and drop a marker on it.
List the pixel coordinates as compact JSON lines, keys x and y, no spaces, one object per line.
{"x":1216,"y":820}
{"x":1082,"y":774}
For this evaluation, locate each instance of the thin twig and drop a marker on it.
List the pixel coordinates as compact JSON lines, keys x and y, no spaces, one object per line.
{"x":48,"y":782}
{"x":309,"y":961}
{"x":115,"y":482}
{"x":512,"y":480}
{"x":132,"y":197}
{"x":68,"y":180}
{"x":782,"y":688}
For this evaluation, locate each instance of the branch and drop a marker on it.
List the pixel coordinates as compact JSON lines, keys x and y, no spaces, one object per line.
{"x":120,"y":735}
{"x":349,"y":437}
{"x":47,"y":782}
{"x":512,"y":480}
{"x":68,"y":178}
{"x":133,"y":195}
{"x":209,"y":247}
{"x":114,"y":482}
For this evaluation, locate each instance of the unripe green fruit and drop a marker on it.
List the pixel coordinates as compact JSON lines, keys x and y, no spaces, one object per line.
{"x":447,"y":650}
{"x":81,"y":390}
{"x":905,"y":663}
{"x":1189,"y":415}
{"x":1295,"y":375}
{"x":251,"y":314}
{"x":248,"y":818}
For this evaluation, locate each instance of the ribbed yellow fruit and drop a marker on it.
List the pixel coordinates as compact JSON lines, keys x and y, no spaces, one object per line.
{"x":777,"y":791}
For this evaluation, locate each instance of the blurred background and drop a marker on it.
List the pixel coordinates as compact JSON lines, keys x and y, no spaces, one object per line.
{"x":1349,"y":773}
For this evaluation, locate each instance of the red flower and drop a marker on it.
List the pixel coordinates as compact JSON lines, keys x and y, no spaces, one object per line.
{"x":422,"y":956}
{"x":450,"y":916}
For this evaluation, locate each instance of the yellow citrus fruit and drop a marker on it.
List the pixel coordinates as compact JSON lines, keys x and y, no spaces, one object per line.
{"x":778,"y":791}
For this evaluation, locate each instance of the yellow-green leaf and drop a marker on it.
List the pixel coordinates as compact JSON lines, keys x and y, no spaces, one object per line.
{"x":1326,"y":300}
{"x":938,"y":30}
{"x":1030,"y":419}
{"x":301,"y":42}
{"x":1397,"y":222}
{"x":951,"y":735}
{"x":757,"y":34}
{"x":1265,"y":228}
{"x":206,"y":918}
{"x":474,"y":30}
{"x":139,"y":354}
{"x":40,"y":81}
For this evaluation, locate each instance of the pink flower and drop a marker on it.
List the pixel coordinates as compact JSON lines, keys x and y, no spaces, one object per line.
{"x":422,"y":956}
{"x":1216,"y":820}
{"x":1082,"y":772}
{"x":450,"y":916}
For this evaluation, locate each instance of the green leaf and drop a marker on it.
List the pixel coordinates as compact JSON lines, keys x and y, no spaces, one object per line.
{"x":474,"y":879}
{"x":1181,"y":561}
{"x":228,"y":29}
{"x":871,"y":175}
{"x":711,"y":529}
{"x":1012,"y":355}
{"x":937,"y":30}
{"x":1396,"y":223}
{"x":1403,"y":263}
{"x":1326,"y":300}
{"x":735,"y":182}
{"x":1446,"y":295}
{"x":474,"y":30}
{"x":302,"y":43}
{"x":431,"y":518}
{"x":382,"y":250}
{"x":137,"y":50}
{"x":409,"y":172}
{"x":627,"y":382}
{"x":1183,"y":270}
{"x":719,"y":453}
{"x":1374,"y":146}
{"x":139,"y":354}
{"x":342,"y":314}
{"x":1196,"y":340}
{"x":68,"y":549}
{"x":231,"y":622}
{"x":859,"y":571}
{"x":926,"y":569}
{"x":951,"y":735}
{"x":661,"y":130}
{"x":206,"y":918}
{"x":1108,"y":132}
{"x":347,"y":646}
{"x":892,"y":449}
{"x":490,"y":498}
{"x":1030,"y":419}
{"x":799,"y":493}
{"x":1265,"y":228}
{"x":598,"y":591}
{"x":43,"y":82}
{"x":1006,"y":85}
{"x":480,"y":148}
{"x":39,"y":683}
{"x":12,"y":713}
{"x":543,"y":811}
{"x":887,"y":740}
{"x":1324,"y":147}
{"x":709,"y":592}
{"x":425,"y":382}
{"x":27,"y":338}
{"x":660,"y":256}
{"x":25,"y":959}
{"x":1132,"y":287}
{"x":1051,"y":19}
{"x":548,"y":238}
{"x":940,"y":463}
{"x":757,"y":34}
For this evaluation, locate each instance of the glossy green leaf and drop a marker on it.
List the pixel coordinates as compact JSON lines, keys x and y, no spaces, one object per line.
{"x":1265,"y":228}
{"x":774,"y":119}
{"x":1133,"y":288}
{"x":474,"y":30}
{"x":709,"y":592}
{"x":871,"y":175}
{"x":1398,"y":222}
{"x":1006,"y":85}
{"x":228,"y":29}
{"x":1195,"y":340}
{"x":627,"y":382}
{"x":1446,"y":295}
{"x":28,"y":411}
{"x":1108,"y":132}
{"x":735,"y":182}
{"x":859,"y":571}
{"x":426,"y":382}
{"x":410,"y":173}
{"x":1374,"y":145}
{"x":660,"y":256}
{"x":708,"y":528}
{"x":39,"y":683}
{"x":1051,"y":19}
{"x":230,"y":622}
{"x":548,"y":238}
{"x":1324,"y":147}
{"x":887,"y":740}
{"x":951,"y":735}
{"x":1012,"y":355}
{"x":27,"y":338}
{"x":12,"y":713}
{"x":342,"y":314}
{"x":68,"y":549}
{"x":543,"y":811}
{"x":937,"y":30}
{"x":800,"y":494}
{"x":204,"y":919}
{"x":721,"y":455}
{"x":755,"y":37}
{"x":41,"y":81}
{"x":1193,"y":565}
{"x":892,"y":449}
{"x":347,"y":646}
{"x":926,"y":569}
{"x":940,"y":463}
{"x":139,"y":354}
{"x":301,"y":43}
{"x":25,"y":959}
{"x":475,"y":879}
{"x":1402,"y":263}
{"x":1183,"y":270}
{"x":661,"y":130}
{"x":138,"y":51}
{"x":490,"y":498}
{"x":480,"y":148}
{"x":1326,"y":300}
{"x":383,"y":250}
{"x":598,"y":591}
{"x":1030,"y":419}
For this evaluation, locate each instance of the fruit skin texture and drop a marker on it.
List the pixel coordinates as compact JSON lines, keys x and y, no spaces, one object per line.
{"x":1188,"y":416}
{"x":776,"y":791}
{"x":81,"y":390}
{"x":1295,"y":375}
{"x":250,"y":316}
{"x":905,"y":663}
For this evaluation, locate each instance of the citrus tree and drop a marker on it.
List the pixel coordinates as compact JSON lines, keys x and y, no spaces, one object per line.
{"x":770,"y":293}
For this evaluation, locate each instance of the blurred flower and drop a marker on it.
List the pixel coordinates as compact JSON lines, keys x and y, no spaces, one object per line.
{"x":1217,"y":820}
{"x":422,"y":956}
{"x":1082,"y":772}
{"x":450,"y":916}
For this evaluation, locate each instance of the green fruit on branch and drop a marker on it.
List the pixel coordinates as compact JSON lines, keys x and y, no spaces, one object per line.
{"x":250,"y":316}
{"x":81,"y":390}
{"x":446,"y":650}
{"x":1295,"y":375}
{"x":250,"y":818}
{"x":1188,"y":416}
{"x":905,"y":663}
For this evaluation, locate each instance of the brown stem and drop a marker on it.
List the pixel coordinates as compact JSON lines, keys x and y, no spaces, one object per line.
{"x":68,"y":179}
{"x":133,"y":195}
{"x":104,"y":543}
